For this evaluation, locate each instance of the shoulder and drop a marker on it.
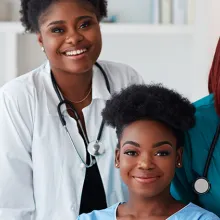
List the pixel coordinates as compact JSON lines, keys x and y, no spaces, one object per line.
{"x":120,"y":75}
{"x":206,"y":116}
{"x":25,"y":85}
{"x":205,"y":102}
{"x":194,"y":212}
{"x":107,"y":214}
{"x":111,"y":65}
{"x":205,"y":105}
{"x":119,"y":69}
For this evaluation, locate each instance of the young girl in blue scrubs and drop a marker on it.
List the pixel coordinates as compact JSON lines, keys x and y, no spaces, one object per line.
{"x":197,"y":147}
{"x":150,"y":122}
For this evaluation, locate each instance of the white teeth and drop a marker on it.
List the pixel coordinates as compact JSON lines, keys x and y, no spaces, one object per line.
{"x":75,"y":52}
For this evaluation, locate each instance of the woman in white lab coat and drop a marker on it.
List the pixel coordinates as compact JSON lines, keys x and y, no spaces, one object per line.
{"x":43,"y":170}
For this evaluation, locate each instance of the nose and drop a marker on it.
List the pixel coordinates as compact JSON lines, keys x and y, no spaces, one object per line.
{"x":146,"y":162}
{"x":74,"y":37}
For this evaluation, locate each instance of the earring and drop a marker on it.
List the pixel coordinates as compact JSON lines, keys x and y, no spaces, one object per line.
{"x":42,"y":48}
{"x":116,"y":165}
{"x":179,"y":164}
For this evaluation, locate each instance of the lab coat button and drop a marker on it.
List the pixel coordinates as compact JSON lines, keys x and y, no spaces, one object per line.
{"x":73,"y":208}
{"x":82,"y":165}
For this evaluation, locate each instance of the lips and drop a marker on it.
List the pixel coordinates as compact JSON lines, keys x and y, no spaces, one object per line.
{"x":74,"y":51}
{"x":146,"y":178}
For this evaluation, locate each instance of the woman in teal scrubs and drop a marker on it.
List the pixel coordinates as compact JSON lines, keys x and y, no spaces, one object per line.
{"x":197,"y":146}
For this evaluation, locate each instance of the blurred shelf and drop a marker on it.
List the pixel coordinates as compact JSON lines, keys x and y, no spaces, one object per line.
{"x":115,"y":28}
{"x":128,"y":28}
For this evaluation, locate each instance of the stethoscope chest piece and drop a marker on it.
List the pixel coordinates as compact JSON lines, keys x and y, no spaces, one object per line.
{"x":202,"y":185}
{"x":96,"y":148}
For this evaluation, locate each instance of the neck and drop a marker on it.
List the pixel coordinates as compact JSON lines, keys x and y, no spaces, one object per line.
{"x":160,"y":205}
{"x":74,"y":87}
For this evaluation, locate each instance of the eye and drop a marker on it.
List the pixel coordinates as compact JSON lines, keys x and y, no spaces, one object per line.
{"x":162,"y":153}
{"x":57,"y":30}
{"x":85,"y":24}
{"x":131,"y":153}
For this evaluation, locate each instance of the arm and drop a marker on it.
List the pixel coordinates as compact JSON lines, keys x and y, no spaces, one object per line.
{"x":16,"y":187}
{"x":181,"y":187}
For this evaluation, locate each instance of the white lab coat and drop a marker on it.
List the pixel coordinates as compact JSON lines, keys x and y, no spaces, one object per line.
{"x":41,"y":176}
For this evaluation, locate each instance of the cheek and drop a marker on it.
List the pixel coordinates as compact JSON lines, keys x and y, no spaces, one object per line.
{"x":167,"y":166}
{"x":53,"y":45}
{"x":96,"y":39}
{"x":52,"y":48}
{"x":126,"y":165}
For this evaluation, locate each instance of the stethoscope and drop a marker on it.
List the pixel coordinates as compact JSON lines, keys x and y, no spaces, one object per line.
{"x":95,"y":148}
{"x":202,"y":184}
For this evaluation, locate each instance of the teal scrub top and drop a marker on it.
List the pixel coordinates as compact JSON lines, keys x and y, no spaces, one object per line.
{"x":197,"y":144}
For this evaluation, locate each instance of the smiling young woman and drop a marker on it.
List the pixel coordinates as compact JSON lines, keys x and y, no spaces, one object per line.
{"x":150,"y":122}
{"x":51,"y":116}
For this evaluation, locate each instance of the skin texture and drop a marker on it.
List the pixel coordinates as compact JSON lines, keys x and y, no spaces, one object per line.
{"x":147,"y":159}
{"x":67,"y":26}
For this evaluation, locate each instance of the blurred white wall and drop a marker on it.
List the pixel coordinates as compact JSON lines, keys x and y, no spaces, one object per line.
{"x":2,"y":63}
{"x":165,"y":59}
{"x":30,"y":53}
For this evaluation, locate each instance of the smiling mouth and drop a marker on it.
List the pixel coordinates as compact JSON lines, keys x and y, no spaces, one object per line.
{"x":75,"y":52}
{"x":146,"y":179}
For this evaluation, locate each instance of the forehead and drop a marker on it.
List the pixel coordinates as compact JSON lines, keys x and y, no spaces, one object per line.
{"x":146,"y":131}
{"x":67,"y":9}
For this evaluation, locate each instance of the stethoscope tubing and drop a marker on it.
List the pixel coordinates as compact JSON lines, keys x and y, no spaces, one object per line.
{"x":207,"y":165}
{"x":211,"y":150}
{"x":72,"y":108}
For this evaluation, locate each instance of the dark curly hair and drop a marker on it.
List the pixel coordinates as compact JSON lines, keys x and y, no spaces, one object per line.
{"x":31,"y":10}
{"x":150,"y":102}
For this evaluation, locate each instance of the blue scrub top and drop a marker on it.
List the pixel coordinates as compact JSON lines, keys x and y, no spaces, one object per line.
{"x":189,"y":212}
{"x":197,"y":144}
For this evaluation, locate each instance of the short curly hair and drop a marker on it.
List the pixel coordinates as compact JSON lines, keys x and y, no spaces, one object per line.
{"x":31,"y":10}
{"x":150,"y":102}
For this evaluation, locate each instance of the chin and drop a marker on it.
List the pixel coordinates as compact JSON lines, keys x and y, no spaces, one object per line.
{"x":147,"y":194}
{"x":147,"y":191}
{"x":79,"y":69}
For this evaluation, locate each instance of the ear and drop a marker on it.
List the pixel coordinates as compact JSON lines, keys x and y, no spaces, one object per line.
{"x":40,"y":39}
{"x":179,"y":157}
{"x":117,"y":158}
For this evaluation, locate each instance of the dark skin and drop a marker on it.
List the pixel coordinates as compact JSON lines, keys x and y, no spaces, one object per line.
{"x":147,"y":159}
{"x":66,"y":27}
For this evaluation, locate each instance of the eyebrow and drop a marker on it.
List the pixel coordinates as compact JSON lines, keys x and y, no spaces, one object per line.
{"x":63,"y":22}
{"x":158,"y":144}
{"x":131,"y":143}
{"x":56,"y":22}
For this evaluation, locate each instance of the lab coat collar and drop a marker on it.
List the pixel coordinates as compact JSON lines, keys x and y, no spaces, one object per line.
{"x":99,"y":89}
